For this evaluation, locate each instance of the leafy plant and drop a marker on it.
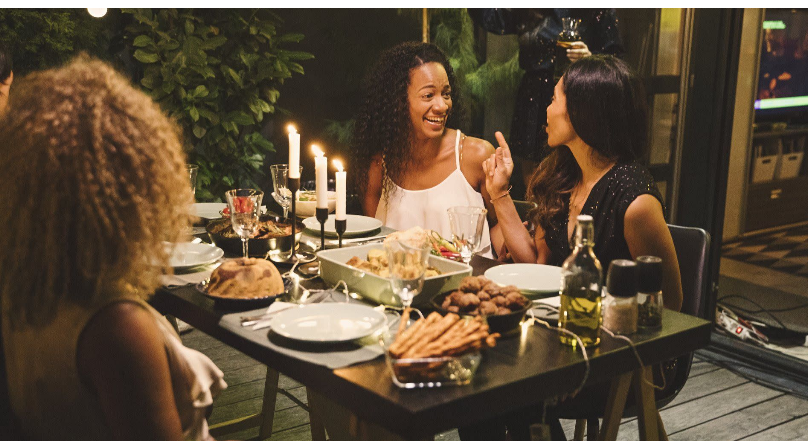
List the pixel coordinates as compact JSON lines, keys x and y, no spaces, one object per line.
{"x":43,"y":38}
{"x":452,"y":30}
{"x":217,"y":72}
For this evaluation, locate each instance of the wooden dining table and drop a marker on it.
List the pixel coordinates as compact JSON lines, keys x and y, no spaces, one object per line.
{"x":523,"y":370}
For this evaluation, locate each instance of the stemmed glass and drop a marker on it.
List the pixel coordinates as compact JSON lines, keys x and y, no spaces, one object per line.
{"x":407,"y":261}
{"x":467,"y":229}
{"x":193,"y":170}
{"x":245,"y":208}
{"x":282,"y":194}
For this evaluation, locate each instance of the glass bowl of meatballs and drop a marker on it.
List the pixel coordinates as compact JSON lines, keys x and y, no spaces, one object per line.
{"x":503,"y":307}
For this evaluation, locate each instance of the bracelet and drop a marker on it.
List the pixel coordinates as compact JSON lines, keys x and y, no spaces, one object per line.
{"x":507,"y":193}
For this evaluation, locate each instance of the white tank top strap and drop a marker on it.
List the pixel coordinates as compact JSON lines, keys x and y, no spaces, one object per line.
{"x":457,"y":149}
{"x":403,"y":209}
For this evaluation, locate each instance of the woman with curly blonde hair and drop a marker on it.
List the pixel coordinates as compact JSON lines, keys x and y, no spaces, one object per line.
{"x":94,"y":182}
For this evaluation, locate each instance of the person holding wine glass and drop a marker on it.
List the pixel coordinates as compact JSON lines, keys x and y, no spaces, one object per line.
{"x":94,"y":184}
{"x":411,"y":166}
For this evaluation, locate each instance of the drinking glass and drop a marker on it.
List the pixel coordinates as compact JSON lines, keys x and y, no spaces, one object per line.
{"x":193,"y":170}
{"x":245,"y":208}
{"x":407,"y":261}
{"x":282,"y":194}
{"x":467,"y":229}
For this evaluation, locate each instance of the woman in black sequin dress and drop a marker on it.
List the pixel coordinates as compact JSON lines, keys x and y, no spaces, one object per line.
{"x":597,"y":127}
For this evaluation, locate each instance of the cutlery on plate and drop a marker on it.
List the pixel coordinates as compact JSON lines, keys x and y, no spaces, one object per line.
{"x":307,"y":299}
{"x":362,"y":240}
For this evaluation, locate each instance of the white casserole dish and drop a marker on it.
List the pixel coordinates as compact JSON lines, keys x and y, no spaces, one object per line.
{"x":333,"y":268}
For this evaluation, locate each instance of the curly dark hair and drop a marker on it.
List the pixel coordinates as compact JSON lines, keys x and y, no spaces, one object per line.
{"x":383,"y":123}
{"x":607,"y":106}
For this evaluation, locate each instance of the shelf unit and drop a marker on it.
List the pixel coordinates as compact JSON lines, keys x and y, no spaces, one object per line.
{"x":777,"y":201}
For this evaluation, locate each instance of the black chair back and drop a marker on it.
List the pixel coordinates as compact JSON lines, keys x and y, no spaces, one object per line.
{"x":692,"y":249}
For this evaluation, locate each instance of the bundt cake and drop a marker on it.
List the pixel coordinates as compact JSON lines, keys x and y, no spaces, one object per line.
{"x":245,"y":278}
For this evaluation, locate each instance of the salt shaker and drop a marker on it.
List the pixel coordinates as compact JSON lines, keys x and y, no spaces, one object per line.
{"x":649,"y":292}
{"x":620,"y":297}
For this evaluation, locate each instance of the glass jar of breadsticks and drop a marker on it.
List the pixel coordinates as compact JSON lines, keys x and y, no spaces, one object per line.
{"x":436,"y":350}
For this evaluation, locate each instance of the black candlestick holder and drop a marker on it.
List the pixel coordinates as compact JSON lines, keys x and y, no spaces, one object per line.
{"x":322,"y":216}
{"x":293,"y":184}
{"x":340,"y":225}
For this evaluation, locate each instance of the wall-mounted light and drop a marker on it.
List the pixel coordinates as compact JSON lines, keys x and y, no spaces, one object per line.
{"x":97,"y":12}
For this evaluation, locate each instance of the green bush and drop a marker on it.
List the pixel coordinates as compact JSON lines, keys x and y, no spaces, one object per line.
{"x":216,"y":72}
{"x":44,"y":38}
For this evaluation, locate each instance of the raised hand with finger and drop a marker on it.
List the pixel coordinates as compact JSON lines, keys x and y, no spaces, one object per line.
{"x":498,"y":169}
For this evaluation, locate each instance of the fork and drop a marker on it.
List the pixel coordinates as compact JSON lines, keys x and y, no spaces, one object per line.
{"x":317,"y":297}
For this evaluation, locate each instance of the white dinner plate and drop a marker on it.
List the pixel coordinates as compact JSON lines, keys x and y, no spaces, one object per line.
{"x":208,"y":210}
{"x":189,"y":254}
{"x":213,"y":210}
{"x":530,"y":278}
{"x":355,"y":225}
{"x":328,"y":322}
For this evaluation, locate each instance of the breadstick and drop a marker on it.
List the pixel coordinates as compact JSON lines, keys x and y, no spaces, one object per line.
{"x":403,"y":338}
{"x":416,"y":336}
{"x":435,"y":331}
{"x":438,"y":348}
{"x":405,"y":318}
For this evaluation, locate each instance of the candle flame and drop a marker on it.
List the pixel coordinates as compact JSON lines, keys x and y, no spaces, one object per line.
{"x":291,"y":129}
{"x":318,"y":152}
{"x":338,"y":164}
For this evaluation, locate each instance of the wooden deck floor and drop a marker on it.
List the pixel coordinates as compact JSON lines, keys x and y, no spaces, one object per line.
{"x":715,"y":404}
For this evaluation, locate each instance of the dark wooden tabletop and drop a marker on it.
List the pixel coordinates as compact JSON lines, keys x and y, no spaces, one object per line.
{"x":521,"y":370}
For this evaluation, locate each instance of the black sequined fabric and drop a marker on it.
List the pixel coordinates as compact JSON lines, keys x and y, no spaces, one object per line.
{"x":607,"y":204}
{"x":537,"y":31}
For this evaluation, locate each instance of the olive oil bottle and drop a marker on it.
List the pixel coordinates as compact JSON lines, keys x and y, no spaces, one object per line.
{"x":581,"y":282}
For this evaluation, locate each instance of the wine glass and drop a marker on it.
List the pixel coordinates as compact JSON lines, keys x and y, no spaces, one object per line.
{"x":407,"y":261}
{"x":280,"y":180}
{"x":193,"y":170}
{"x":467,"y":229}
{"x":245,"y":207}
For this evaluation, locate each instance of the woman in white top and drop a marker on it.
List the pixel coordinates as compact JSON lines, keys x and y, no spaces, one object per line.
{"x":410,"y":167}
{"x":94,"y":181}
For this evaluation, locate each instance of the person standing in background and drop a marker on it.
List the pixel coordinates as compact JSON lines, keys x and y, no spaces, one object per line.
{"x":6,"y":76}
{"x":537,"y":31}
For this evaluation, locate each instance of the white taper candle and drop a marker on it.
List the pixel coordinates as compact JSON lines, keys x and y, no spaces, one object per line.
{"x":294,"y":153}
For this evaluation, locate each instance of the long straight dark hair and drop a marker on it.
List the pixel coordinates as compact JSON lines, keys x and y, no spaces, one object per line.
{"x":607,"y":106}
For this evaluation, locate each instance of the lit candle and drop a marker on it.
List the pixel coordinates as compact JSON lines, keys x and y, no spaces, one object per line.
{"x":294,"y":152}
{"x":341,"y":196}
{"x":321,"y":176}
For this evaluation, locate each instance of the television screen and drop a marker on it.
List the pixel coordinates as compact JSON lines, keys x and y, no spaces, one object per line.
{"x":783,"y":81}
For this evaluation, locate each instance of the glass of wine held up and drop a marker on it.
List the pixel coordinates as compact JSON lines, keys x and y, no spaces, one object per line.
{"x":245,"y":208}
